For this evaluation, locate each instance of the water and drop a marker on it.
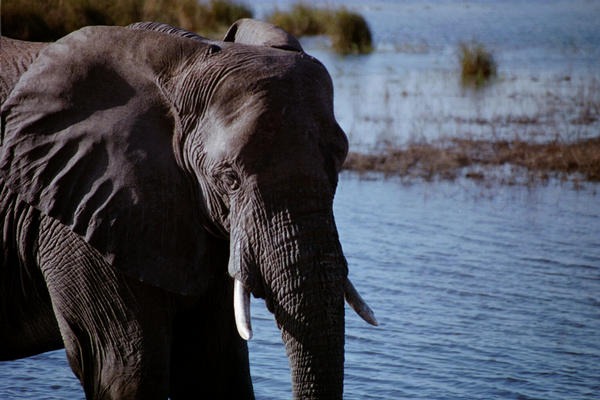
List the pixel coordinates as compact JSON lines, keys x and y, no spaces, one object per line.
{"x":548,"y":82}
{"x":481,"y":293}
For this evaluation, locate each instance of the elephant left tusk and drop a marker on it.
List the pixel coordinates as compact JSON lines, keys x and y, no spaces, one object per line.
{"x":241,"y":310}
{"x":358,"y":304}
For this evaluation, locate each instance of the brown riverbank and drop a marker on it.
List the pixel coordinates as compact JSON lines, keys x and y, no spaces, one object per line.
{"x":449,"y":159}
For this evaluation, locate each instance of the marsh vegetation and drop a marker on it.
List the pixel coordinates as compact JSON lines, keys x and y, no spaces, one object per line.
{"x":477,"y":63}
{"x":348,"y":31}
{"x":52,"y":19}
{"x":525,"y":140}
{"x":507,"y":162}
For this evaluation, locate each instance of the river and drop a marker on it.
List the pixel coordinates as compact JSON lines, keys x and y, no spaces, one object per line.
{"x":481,"y":293}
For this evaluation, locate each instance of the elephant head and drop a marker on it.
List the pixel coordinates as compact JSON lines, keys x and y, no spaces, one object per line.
{"x":150,"y":142}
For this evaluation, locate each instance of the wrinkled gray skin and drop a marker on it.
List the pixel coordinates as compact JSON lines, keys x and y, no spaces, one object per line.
{"x":141,"y":169}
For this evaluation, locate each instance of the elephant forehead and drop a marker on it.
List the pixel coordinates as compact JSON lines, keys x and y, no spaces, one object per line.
{"x":228,"y":133}
{"x":240,"y":70}
{"x":259,"y":125}
{"x":263,"y":109}
{"x":270,"y":110}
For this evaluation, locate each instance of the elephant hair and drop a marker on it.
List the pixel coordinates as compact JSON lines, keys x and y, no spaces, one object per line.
{"x":166,"y":28}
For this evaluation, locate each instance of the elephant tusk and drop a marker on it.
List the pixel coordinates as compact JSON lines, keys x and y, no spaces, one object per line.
{"x":358,"y":304}
{"x":241,"y":310}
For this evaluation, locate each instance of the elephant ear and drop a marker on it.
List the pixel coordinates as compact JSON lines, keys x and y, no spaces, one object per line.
{"x":88,"y":139}
{"x":251,"y":31}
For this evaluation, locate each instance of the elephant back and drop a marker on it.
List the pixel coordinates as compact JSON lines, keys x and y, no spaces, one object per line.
{"x":15,"y":58}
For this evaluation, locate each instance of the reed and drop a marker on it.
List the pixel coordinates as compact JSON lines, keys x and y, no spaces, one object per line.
{"x":348,"y":31}
{"x":301,"y":20}
{"x":478,"y":66}
{"x":350,"y":34}
{"x":51,"y":19}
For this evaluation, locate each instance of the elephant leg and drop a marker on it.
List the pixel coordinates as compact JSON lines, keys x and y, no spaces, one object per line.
{"x":27,"y":322}
{"x":116,"y":330}
{"x":209,"y":358}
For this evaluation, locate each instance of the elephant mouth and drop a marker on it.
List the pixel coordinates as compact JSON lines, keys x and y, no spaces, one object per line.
{"x":241,"y":307}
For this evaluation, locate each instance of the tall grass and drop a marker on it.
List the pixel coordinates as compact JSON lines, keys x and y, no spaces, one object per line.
{"x":478,"y":66}
{"x":348,"y":31}
{"x":301,"y":20}
{"x":51,"y":19}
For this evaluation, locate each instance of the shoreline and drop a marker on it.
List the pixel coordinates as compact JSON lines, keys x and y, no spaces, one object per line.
{"x":480,"y":160}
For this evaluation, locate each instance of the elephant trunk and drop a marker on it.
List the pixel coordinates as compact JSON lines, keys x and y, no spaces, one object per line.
{"x":307,"y":299}
{"x":314,"y":340}
{"x":303,"y":274}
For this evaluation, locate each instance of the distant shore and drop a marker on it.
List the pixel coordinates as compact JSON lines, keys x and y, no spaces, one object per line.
{"x":521,"y":162}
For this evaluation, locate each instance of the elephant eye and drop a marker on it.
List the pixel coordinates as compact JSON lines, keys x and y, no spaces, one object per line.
{"x":231,"y":181}
{"x":226,"y":178}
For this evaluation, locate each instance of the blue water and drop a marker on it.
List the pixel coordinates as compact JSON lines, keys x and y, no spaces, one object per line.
{"x":481,"y":292}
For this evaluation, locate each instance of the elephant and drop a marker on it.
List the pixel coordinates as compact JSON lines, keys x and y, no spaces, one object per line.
{"x":151,"y":181}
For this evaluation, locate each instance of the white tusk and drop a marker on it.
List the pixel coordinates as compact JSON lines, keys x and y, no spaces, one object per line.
{"x":241,"y":310}
{"x":358,"y":304}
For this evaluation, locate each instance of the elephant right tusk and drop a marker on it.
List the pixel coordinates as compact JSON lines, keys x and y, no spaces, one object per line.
{"x":358,"y":304}
{"x":241,"y":310}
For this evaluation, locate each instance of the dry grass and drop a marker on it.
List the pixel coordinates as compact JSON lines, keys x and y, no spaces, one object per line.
{"x":52,"y":19}
{"x":448,"y":159}
{"x":348,"y":31}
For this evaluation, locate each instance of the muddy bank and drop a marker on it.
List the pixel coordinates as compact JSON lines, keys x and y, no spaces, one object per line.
{"x":481,"y":160}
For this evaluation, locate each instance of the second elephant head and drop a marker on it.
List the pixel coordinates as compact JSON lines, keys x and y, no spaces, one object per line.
{"x":150,"y":142}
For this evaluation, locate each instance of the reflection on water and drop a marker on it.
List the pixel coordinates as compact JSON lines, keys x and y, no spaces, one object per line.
{"x":479,"y":295}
